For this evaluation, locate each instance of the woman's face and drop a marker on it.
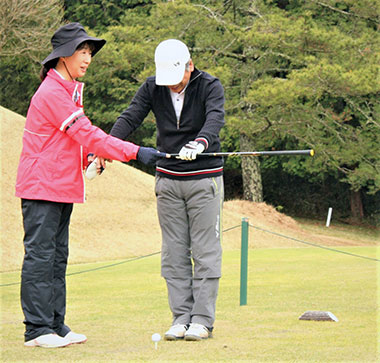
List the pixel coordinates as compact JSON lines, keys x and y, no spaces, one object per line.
{"x":78,"y":63}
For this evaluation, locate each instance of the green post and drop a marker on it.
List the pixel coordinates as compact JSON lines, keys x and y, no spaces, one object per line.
{"x":244,"y":261}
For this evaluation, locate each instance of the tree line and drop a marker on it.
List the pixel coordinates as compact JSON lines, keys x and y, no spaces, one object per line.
{"x":297,"y":75}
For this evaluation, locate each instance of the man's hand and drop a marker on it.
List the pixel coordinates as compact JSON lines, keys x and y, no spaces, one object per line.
{"x":191,"y":150}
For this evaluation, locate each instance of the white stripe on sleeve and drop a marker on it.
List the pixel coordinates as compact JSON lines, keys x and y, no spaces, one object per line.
{"x":70,"y":118}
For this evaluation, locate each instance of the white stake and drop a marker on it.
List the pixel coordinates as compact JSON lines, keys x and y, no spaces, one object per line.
{"x":328,"y":217}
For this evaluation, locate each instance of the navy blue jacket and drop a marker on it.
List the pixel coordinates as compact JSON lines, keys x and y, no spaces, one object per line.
{"x":202,"y":117}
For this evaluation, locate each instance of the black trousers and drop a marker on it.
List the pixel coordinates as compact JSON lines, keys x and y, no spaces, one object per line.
{"x":43,"y":279}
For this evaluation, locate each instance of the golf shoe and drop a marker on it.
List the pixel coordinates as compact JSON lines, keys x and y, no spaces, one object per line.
{"x":48,"y":341}
{"x":197,"y":332}
{"x":176,"y":332}
{"x":75,"y":338}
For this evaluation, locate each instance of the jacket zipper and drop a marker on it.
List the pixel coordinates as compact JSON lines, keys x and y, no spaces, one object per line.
{"x":184,"y":99}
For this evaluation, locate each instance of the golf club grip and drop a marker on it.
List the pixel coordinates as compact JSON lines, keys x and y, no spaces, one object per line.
{"x":309,"y":152}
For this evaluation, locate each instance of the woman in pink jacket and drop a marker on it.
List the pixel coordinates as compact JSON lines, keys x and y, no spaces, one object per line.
{"x":57,"y":138}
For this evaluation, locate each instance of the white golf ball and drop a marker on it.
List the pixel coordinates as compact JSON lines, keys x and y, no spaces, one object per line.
{"x":156,"y":337}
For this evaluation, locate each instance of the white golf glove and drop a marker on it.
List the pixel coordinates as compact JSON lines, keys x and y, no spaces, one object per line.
{"x":191,"y":150}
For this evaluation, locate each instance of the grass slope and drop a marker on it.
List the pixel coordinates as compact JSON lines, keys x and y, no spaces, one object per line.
{"x":119,"y":219}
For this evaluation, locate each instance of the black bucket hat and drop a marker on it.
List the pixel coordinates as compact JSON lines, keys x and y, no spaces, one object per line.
{"x":66,"y":40}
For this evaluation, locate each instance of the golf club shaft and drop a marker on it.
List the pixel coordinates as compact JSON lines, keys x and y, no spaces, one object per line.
{"x":253,"y":153}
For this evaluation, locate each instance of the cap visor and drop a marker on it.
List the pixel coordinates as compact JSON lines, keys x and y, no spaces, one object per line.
{"x":169,"y":76}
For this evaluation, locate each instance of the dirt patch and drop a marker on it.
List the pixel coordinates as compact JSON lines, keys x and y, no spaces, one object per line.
{"x":272,"y":228}
{"x":262,"y":213}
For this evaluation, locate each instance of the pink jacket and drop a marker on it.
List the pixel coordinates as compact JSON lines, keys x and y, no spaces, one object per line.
{"x":56,"y":136}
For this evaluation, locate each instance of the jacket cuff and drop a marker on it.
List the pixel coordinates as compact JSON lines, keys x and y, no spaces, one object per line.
{"x":134,"y":149}
{"x":202,"y":141}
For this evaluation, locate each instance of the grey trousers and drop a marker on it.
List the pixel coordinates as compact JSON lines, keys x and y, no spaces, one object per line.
{"x":190,"y":213}
{"x":43,"y":281}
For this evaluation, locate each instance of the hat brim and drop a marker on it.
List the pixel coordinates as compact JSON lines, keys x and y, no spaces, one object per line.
{"x":169,"y":75}
{"x":68,"y":49}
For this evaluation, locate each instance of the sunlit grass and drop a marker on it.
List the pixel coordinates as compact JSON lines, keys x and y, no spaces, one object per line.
{"x":365,"y":235}
{"x":120,"y":307}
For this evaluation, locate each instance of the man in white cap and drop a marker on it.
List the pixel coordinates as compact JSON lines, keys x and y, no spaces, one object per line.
{"x":188,"y":105}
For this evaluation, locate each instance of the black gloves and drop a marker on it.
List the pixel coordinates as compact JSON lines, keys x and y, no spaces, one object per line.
{"x":148,"y":155}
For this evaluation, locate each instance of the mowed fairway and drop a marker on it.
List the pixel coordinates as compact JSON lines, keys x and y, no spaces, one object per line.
{"x":121,"y":306}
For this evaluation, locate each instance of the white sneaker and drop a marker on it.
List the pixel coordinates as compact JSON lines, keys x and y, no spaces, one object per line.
{"x":75,"y":338}
{"x":48,"y":341}
{"x":175,"y":332}
{"x":197,"y":332}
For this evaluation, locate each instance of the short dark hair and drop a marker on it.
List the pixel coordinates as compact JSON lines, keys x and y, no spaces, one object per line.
{"x":87,"y":43}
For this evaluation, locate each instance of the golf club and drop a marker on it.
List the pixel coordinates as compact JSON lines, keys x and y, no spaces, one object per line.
{"x":91,"y":171}
{"x":252,"y":153}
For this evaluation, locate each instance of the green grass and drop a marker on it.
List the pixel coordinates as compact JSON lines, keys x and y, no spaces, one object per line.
{"x":360,"y":234}
{"x":120,"y":307}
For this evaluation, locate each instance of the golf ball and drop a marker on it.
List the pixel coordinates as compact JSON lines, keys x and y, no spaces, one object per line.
{"x":156,"y":337}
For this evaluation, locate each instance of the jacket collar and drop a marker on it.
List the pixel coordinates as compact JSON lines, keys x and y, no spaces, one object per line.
{"x":195,"y":74}
{"x":74,"y":88}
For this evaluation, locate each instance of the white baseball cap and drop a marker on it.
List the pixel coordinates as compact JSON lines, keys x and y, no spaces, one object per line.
{"x":170,"y":57}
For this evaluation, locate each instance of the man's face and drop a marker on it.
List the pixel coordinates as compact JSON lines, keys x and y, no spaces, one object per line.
{"x":177,"y":88}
